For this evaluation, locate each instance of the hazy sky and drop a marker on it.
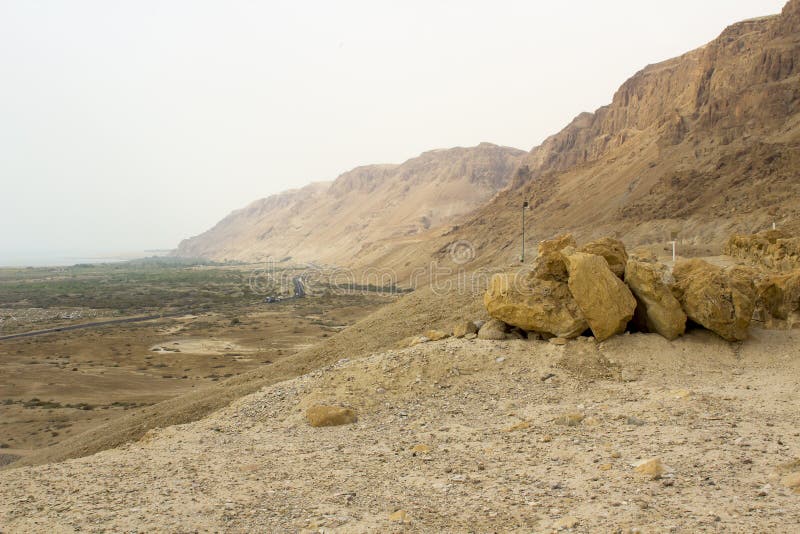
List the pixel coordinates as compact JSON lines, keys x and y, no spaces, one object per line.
{"x":127,"y":125}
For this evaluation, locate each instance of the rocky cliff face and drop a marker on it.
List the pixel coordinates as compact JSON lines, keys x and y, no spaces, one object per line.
{"x":702,"y":145}
{"x":332,"y":222}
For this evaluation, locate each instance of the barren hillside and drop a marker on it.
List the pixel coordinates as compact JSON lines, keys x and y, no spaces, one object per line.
{"x":329,"y":222}
{"x":704,"y":145}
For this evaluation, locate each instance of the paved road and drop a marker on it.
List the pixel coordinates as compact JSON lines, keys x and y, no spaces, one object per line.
{"x":92,"y":325}
{"x":299,"y":290}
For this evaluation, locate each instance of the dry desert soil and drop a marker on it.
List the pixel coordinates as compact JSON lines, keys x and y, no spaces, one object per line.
{"x":464,"y":436}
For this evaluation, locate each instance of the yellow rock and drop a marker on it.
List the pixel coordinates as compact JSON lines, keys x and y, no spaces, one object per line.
{"x":652,"y":467}
{"x":400,"y":516}
{"x":682,"y":393}
{"x":569,"y":419}
{"x":436,"y":335}
{"x":321,"y":415}
{"x":421,"y":448}
{"x":522,"y":425}
{"x":605,"y":300}
{"x":547,"y":438}
{"x":604,"y":467}
{"x":557,"y":341}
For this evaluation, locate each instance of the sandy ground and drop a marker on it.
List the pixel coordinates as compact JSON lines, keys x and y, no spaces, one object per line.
{"x":492,"y":453}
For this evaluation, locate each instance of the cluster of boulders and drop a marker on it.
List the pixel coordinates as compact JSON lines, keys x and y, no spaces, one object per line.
{"x":773,"y":249}
{"x":600,"y":288}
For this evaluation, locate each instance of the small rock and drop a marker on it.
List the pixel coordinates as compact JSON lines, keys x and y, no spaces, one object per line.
{"x":652,"y":468}
{"x":547,"y":438}
{"x":421,"y":448}
{"x":436,"y":335}
{"x":501,"y":359}
{"x":558,"y":341}
{"x":493,"y":330}
{"x":546,"y":376}
{"x":569,"y":419}
{"x":400,"y":516}
{"x":471,"y":336}
{"x":605,"y":467}
{"x":321,"y":415}
{"x":522,"y":425}
{"x":463,"y":328}
{"x":566,"y":522}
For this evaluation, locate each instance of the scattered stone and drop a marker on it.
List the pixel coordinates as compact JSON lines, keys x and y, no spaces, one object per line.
{"x":321,"y":415}
{"x":436,"y":335}
{"x":604,"y":299}
{"x":546,"y":376}
{"x":557,"y":341}
{"x":400,"y":516}
{"x":657,"y":308}
{"x":493,"y":330}
{"x":652,"y":468}
{"x":463,"y":328}
{"x":569,"y":419}
{"x":421,"y":448}
{"x":721,"y":301}
{"x":612,"y":250}
{"x":605,"y":467}
{"x":522,"y":425}
{"x":591,"y":421}
{"x":565,"y":523}
{"x":634,"y":421}
{"x":547,"y":438}
{"x":471,"y":336}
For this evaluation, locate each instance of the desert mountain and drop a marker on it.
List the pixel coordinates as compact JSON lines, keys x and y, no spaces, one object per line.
{"x":329,"y":222}
{"x":704,"y":145}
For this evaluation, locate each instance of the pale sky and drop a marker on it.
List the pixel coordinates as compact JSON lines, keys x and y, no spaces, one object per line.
{"x":129,"y":125}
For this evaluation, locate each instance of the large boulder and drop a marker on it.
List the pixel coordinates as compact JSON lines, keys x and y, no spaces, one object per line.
{"x":613,"y":250}
{"x":778,"y":297}
{"x":604,"y":299}
{"x":722,"y":301}
{"x":657,"y":309}
{"x":557,"y":244}
{"x":535,"y":304}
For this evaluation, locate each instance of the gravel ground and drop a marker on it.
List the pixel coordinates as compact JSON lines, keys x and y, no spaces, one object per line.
{"x":464,"y":436}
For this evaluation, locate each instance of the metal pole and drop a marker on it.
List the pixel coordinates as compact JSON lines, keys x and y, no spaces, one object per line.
{"x":524,"y":207}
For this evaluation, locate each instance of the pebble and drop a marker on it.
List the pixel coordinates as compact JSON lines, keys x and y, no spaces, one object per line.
{"x":652,"y":468}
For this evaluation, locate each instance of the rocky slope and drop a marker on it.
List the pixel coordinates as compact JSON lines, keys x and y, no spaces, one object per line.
{"x":330,"y":222}
{"x":464,"y":436}
{"x":705,"y":145}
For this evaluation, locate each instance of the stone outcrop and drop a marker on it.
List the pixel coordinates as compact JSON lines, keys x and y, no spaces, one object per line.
{"x":773,"y":249}
{"x":721,"y":301}
{"x":657,"y":308}
{"x":535,"y":304}
{"x":613,"y":250}
{"x":604,"y":299}
{"x":778,"y":297}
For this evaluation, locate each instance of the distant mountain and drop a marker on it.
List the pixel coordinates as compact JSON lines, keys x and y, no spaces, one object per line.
{"x":331,"y":222}
{"x":702,"y":145}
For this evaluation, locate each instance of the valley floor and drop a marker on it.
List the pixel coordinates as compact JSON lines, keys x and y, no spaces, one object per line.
{"x":463,"y":436}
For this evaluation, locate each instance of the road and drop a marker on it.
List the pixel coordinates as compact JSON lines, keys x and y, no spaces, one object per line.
{"x":91,"y":325}
{"x":299,"y":290}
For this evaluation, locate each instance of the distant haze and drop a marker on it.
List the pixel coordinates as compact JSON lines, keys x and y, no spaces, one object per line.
{"x":127,"y":126}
